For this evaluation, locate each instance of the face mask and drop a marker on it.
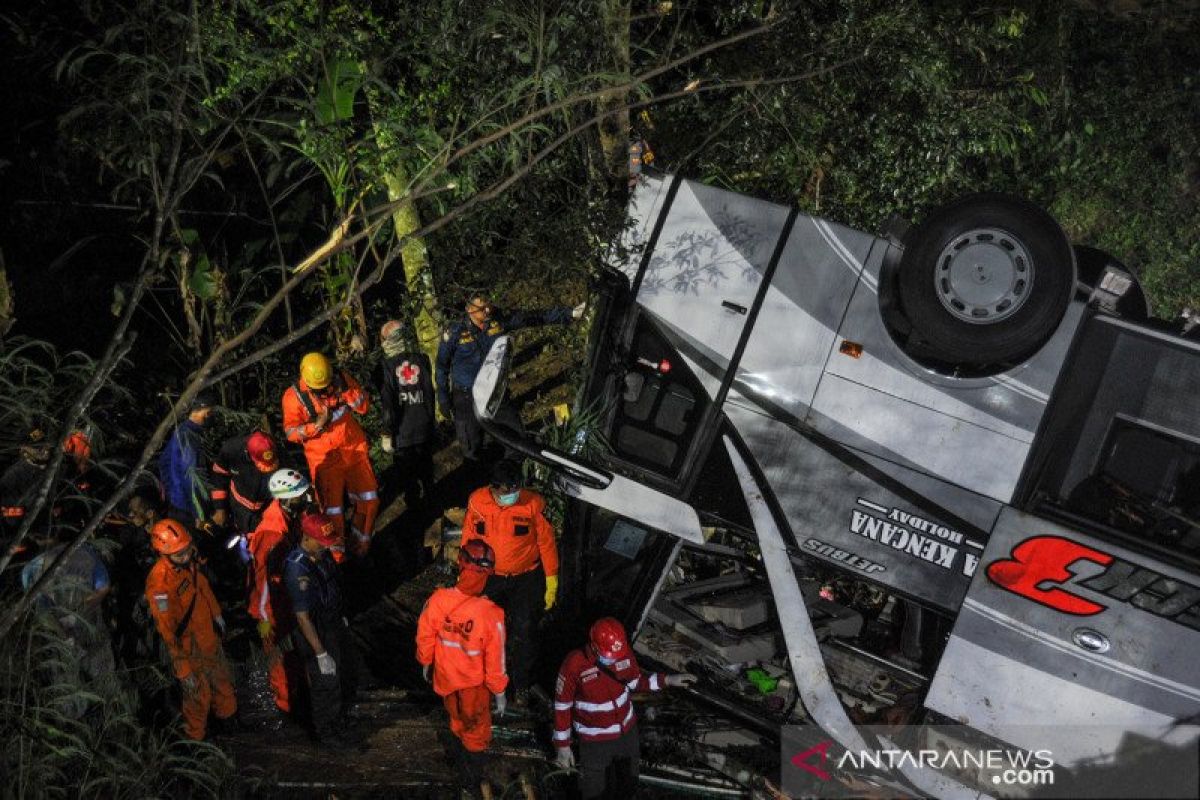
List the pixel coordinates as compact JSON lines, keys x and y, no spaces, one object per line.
{"x":608,"y":662}
{"x":509,"y":498}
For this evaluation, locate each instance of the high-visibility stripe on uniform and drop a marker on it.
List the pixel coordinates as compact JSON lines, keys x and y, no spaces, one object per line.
{"x":449,"y":643}
{"x":369,"y":495}
{"x":362,"y":537}
{"x":245,"y":501}
{"x":338,"y":413}
{"x":335,"y":510}
{"x":12,"y":511}
{"x":608,"y":705}
{"x":615,"y":728}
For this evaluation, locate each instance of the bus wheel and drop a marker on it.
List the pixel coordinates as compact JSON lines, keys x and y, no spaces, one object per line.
{"x":986,"y":280}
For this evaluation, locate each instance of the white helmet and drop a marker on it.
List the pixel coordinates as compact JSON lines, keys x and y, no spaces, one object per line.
{"x":287,"y":483}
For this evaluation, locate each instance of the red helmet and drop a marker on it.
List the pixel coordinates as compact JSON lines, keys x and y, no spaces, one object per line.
{"x":261,"y":450}
{"x":169,"y":537}
{"x":609,"y":639}
{"x":319,"y":527}
{"x":477,"y":555}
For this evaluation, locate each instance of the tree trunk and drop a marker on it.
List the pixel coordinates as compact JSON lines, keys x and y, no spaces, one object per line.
{"x":614,"y":127}
{"x":418,"y":278}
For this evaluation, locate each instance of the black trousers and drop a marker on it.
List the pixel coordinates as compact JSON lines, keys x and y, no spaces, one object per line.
{"x":610,"y":769}
{"x":523,"y":599}
{"x":412,"y":472}
{"x":467,"y":427}
{"x":330,"y":694}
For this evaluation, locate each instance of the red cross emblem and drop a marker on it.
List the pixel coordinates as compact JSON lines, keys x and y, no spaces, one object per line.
{"x":408,"y":373}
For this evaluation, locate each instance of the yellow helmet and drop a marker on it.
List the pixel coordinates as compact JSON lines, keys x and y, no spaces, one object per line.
{"x":316,"y":370}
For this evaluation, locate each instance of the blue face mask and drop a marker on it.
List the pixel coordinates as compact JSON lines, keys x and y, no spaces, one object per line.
{"x":508,"y":498}
{"x":608,"y":662}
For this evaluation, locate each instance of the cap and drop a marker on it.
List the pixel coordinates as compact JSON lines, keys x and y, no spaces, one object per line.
{"x":203,"y":399}
{"x":506,"y":474}
{"x":261,"y":449}
{"x":320,"y":528}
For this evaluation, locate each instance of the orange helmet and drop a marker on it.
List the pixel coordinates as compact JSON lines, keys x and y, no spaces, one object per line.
{"x":169,"y":537}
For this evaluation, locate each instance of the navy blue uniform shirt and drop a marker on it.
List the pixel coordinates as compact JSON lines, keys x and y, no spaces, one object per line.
{"x":312,"y":585}
{"x":464,"y":345}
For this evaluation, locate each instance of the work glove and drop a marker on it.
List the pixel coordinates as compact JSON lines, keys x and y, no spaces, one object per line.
{"x":386,"y":443}
{"x":264,"y":630}
{"x":427,"y":673}
{"x":681,"y":680}
{"x":190,"y":684}
{"x":578,"y":310}
{"x":322,"y":419}
{"x":551,"y":591}
{"x":501,"y":703}
{"x":326,"y":664}
{"x":565,"y":758}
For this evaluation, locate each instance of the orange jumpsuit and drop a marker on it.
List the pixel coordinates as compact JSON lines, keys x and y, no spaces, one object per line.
{"x":520,"y":534}
{"x":337,"y":456}
{"x":463,"y":637}
{"x":185,"y":610}
{"x":270,"y":544}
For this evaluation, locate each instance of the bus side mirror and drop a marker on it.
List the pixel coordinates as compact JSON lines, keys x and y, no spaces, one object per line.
{"x":492,"y":381}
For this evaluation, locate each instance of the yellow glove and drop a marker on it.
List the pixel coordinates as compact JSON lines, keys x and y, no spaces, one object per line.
{"x":264,"y":629}
{"x":551,"y":591}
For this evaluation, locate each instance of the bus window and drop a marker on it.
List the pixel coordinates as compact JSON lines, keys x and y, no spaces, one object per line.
{"x":660,"y":407}
{"x":1146,"y":484}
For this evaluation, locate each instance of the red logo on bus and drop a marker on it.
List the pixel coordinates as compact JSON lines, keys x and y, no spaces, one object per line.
{"x":1036,"y":564}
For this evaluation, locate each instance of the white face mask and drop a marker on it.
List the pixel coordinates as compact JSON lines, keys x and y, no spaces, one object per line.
{"x":608,"y":662}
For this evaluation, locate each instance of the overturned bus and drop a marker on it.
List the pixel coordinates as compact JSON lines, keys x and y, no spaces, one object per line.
{"x":950,"y":474}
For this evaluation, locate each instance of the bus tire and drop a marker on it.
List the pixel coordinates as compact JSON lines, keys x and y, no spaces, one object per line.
{"x":985,"y":280}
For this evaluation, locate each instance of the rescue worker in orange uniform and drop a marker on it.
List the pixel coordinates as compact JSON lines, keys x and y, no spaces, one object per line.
{"x":512,"y":520}
{"x":190,"y":623}
{"x":317,"y":412}
{"x":460,"y":640}
{"x":277,"y":534}
{"x":592,"y":698}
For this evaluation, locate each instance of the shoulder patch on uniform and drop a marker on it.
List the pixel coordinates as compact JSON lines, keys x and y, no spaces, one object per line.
{"x":160,"y":602}
{"x":303,"y":581}
{"x":622,"y":664}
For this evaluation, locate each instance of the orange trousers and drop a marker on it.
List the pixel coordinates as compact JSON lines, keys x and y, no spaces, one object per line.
{"x":286,"y":673}
{"x":347,"y":473}
{"x":214,"y":691}
{"x":470,"y":712}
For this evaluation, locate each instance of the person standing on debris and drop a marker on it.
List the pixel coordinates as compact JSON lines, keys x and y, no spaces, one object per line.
{"x":406,"y":407}
{"x":241,"y":481}
{"x":323,"y":636}
{"x":464,"y":346}
{"x":191,"y":625}
{"x":460,"y":646}
{"x":276,"y":536}
{"x":525,"y":583}
{"x":592,"y":696}
{"x":181,"y":467}
{"x":317,"y":413}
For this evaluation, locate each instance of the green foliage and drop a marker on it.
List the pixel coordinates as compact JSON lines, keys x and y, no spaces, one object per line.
{"x":71,"y":734}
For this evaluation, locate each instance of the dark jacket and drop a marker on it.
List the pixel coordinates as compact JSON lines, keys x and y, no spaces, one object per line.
{"x":238,"y":485}
{"x":464,"y":344}
{"x":183,"y":469}
{"x":406,"y":398}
